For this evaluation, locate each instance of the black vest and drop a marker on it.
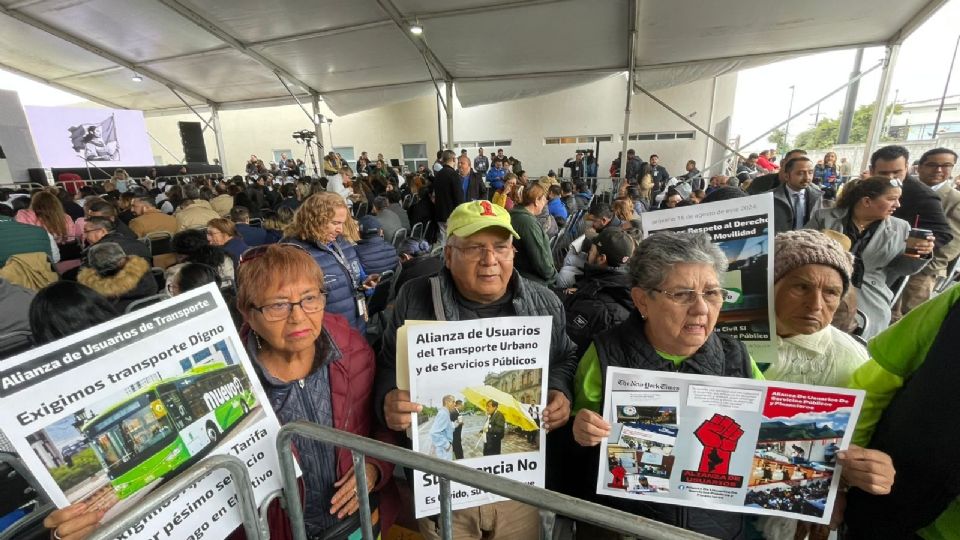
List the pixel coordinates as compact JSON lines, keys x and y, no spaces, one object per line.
{"x":919,"y":430}
{"x":626,"y":346}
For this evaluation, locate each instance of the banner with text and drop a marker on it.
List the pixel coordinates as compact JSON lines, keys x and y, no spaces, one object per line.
{"x":482,"y":384}
{"x":105,"y":416}
{"x":758,"y":447}
{"x":743,"y":229}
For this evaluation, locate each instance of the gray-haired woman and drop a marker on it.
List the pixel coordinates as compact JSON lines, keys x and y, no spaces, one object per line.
{"x":677,"y":295}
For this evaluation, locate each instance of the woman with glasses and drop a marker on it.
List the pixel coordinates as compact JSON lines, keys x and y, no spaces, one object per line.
{"x":864,"y":213}
{"x":222,"y":233}
{"x":677,"y":298}
{"x":534,"y":258}
{"x":323,"y":227}
{"x":316,"y":368}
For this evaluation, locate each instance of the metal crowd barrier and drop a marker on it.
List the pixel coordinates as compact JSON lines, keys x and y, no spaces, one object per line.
{"x":42,"y":504}
{"x":255,"y":527}
{"x":550,"y":503}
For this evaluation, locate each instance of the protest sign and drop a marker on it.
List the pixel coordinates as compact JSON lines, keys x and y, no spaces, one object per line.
{"x":106,"y":415}
{"x":743,"y":229}
{"x":742,"y":445}
{"x":482,"y":384}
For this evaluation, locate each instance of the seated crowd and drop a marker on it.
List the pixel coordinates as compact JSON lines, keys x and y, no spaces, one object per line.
{"x":320,"y":273}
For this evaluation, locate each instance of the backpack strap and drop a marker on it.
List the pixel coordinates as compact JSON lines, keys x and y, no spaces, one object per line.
{"x":437,"y":298}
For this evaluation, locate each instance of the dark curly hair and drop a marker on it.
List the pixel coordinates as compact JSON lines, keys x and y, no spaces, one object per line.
{"x":193,"y":245}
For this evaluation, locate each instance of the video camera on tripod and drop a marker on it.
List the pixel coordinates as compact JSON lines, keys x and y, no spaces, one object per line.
{"x":303,"y":135}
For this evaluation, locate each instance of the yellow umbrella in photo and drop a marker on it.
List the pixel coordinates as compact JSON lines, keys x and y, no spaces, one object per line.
{"x":513,"y":411}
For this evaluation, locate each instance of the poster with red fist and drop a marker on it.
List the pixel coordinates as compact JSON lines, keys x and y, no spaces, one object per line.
{"x":740,"y":445}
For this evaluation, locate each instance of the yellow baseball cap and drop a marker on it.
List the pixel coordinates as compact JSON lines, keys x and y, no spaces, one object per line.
{"x":472,"y":217}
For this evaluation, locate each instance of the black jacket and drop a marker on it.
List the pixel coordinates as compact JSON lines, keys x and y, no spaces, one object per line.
{"x":763,"y":183}
{"x":476,"y":187}
{"x":602,"y":301}
{"x":448,"y":190}
{"x":920,"y":207}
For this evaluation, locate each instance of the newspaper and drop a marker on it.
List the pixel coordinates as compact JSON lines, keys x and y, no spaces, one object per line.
{"x":105,"y":416}
{"x":743,"y":229}
{"x":741,"y":445}
{"x":483,"y":387}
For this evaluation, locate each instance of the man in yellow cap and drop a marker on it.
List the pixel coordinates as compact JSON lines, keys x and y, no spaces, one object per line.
{"x":478,"y":281}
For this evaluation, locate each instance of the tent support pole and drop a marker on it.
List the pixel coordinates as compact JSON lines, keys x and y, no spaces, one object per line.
{"x":850,"y":103}
{"x":218,"y":134}
{"x":449,"y":107}
{"x":631,"y":80}
{"x":886,"y":78}
{"x":315,"y":98}
{"x":713,"y":105}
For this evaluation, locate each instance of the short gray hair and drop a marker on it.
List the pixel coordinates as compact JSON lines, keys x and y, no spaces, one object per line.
{"x":658,"y":253}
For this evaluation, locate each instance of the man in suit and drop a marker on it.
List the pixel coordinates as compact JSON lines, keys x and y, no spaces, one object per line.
{"x":457,"y":430}
{"x":496,"y":427}
{"x":447,"y":190}
{"x":919,"y":205}
{"x":796,"y":199}
{"x":934,"y":171}
{"x":769,"y":181}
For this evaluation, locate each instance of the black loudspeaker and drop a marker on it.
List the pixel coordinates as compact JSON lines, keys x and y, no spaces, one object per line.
{"x":191,"y":135}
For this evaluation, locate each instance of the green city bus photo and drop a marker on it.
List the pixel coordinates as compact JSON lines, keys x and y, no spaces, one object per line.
{"x":168,"y":424}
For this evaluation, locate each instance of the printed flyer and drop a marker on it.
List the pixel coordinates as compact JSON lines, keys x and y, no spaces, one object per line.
{"x":757,"y":447}
{"x":743,"y":229}
{"x":109,"y":414}
{"x":483,"y":385}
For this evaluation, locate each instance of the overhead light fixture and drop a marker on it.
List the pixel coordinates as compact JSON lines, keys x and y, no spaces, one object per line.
{"x":136,"y":78}
{"x":416,"y":29}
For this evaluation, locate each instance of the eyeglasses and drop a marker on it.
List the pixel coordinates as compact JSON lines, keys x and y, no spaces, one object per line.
{"x":257,"y":251}
{"x":279,"y":311}
{"x":935,"y":166}
{"x":88,"y":231}
{"x":476,"y":253}
{"x":685,"y":297}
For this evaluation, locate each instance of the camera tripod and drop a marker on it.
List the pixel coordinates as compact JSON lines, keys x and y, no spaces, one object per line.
{"x":313,"y":158}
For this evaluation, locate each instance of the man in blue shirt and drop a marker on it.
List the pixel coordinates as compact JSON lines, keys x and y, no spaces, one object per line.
{"x":441,"y":432}
{"x":555,"y":205}
{"x":495,"y":175}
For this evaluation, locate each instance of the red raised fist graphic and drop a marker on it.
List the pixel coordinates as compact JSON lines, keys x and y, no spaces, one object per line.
{"x":719,"y":436}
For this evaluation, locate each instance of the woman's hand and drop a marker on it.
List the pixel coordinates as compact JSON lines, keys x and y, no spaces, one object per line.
{"x":345,"y":501}
{"x":589,"y":428}
{"x":924,"y":248}
{"x":870,"y":470}
{"x":75,"y":522}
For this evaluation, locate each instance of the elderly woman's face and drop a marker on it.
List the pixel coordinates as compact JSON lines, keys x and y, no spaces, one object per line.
{"x":675,"y":327}
{"x":299,"y":329}
{"x":806,"y":298}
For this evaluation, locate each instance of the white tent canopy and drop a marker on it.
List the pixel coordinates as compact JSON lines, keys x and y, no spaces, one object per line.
{"x":359,"y":54}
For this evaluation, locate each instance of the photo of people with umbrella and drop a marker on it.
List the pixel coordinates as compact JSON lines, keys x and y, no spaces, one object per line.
{"x":487,"y":421}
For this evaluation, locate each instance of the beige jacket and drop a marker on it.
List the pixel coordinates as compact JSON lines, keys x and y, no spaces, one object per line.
{"x":195,"y":216}
{"x":222,"y":204}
